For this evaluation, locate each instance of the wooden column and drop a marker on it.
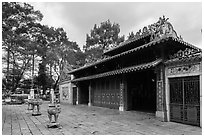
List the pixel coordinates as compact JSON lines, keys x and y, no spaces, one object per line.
{"x":90,"y":100}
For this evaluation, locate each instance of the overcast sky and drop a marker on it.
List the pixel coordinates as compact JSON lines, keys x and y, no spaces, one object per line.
{"x":78,"y":19}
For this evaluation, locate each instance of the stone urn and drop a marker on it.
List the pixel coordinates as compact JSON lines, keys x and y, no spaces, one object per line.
{"x":30,"y":104}
{"x":36,"y":104}
{"x":53,"y":110}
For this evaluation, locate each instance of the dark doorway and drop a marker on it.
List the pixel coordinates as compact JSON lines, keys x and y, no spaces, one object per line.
{"x":74,"y":95}
{"x":84,"y":92}
{"x":141,"y":90}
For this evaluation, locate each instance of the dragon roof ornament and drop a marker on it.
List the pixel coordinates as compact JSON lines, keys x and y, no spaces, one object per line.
{"x":159,"y":29}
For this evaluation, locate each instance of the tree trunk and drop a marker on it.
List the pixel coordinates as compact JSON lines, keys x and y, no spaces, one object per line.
{"x":55,"y":85}
{"x":8,"y":63}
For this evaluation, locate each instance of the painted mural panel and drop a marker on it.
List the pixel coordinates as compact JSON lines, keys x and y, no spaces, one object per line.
{"x":65,"y":93}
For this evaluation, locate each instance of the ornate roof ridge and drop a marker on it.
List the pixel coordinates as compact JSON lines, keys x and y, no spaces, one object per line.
{"x":156,"y":30}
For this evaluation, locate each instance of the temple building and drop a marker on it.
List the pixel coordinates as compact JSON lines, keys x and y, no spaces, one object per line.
{"x":156,"y":72}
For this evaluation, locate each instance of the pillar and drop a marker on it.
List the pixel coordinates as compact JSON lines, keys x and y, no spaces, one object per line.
{"x":161,"y":94}
{"x":123,"y":95}
{"x":78,"y":95}
{"x":90,"y":100}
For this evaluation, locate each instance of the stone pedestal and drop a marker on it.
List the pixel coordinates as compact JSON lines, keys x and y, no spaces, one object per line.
{"x":53,"y":125}
{"x":89,"y":104}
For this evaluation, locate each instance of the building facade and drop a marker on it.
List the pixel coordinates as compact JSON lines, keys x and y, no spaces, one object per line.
{"x":156,"y":72}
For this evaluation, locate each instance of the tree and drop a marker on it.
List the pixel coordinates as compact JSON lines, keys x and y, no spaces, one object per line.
{"x":25,"y":39}
{"x":56,"y":51}
{"x":101,"y":38}
{"x":17,"y":21}
{"x":65,"y":53}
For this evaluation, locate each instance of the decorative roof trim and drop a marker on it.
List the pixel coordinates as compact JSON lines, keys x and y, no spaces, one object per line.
{"x":180,"y":60}
{"x":121,"y":71}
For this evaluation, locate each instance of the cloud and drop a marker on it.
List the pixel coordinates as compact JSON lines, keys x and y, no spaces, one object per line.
{"x":79,"y":18}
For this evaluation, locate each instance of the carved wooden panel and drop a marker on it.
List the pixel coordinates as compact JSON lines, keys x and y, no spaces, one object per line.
{"x":106,"y":94}
{"x":183,"y":69}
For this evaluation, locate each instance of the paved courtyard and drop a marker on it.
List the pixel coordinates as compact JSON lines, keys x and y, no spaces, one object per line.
{"x":84,"y":120}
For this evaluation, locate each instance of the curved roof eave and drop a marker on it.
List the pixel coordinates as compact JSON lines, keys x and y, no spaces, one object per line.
{"x":121,"y":71}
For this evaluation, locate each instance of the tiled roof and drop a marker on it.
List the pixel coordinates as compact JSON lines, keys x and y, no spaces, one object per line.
{"x":128,"y":42}
{"x":116,"y":56}
{"x":152,"y":43}
{"x":121,"y":71}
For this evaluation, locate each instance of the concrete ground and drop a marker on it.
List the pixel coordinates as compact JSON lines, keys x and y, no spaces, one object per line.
{"x":84,"y":120}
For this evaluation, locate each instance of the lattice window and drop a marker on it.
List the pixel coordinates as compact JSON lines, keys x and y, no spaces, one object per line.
{"x":176,"y":91}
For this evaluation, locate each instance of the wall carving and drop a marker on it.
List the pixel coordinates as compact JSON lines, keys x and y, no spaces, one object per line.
{"x":187,"y":53}
{"x":121,"y":94}
{"x":159,"y":95}
{"x":184,"y":69}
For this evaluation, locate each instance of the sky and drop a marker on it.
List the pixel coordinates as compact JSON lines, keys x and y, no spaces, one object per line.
{"x":79,"y":18}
